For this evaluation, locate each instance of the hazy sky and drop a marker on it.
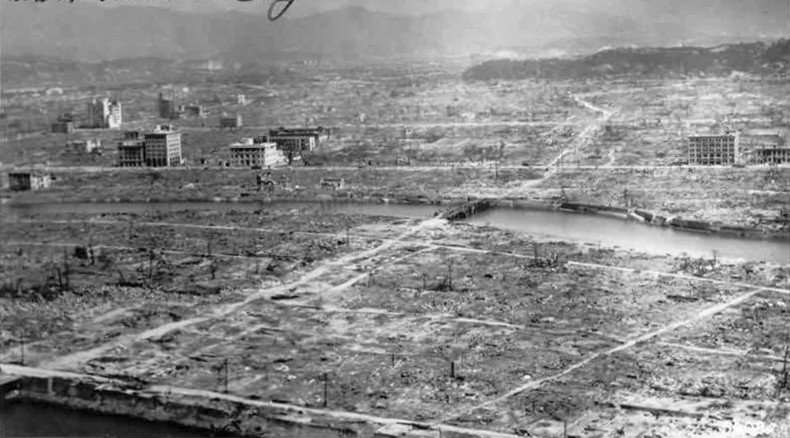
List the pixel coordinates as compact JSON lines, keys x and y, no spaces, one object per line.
{"x":303,"y":7}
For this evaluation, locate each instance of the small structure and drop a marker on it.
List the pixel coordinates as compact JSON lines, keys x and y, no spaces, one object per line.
{"x":23,"y":181}
{"x":84,"y":146}
{"x":62,"y":127}
{"x":249,"y":153}
{"x":241,"y":99}
{"x":195,"y":110}
{"x":713,"y":150}
{"x":64,"y":124}
{"x":333,"y":183}
{"x":772,"y":155}
{"x":230,"y":122}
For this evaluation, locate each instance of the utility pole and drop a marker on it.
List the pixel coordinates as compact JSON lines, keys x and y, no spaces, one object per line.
{"x":326,"y":384}
{"x":226,"y":376}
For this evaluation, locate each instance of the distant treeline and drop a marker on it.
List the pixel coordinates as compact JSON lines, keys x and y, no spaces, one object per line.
{"x":760,"y":58}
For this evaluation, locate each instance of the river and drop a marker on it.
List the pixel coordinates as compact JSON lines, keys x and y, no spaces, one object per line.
{"x":594,"y":229}
{"x":27,"y":419}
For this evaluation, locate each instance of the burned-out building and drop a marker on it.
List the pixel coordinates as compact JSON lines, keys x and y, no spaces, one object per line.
{"x":230,"y":122}
{"x":713,"y":150}
{"x":78,"y":147}
{"x":23,"y":181}
{"x":298,"y":140}
{"x":168,"y":107}
{"x":772,"y":155}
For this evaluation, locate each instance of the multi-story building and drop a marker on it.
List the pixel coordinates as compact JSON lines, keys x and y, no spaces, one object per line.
{"x":249,"y":153}
{"x":168,"y":107}
{"x":230,"y":121}
{"x":713,"y":150}
{"x":772,"y":155}
{"x":105,"y":114}
{"x":296,"y":141}
{"x":131,"y":149}
{"x":163,"y":147}
{"x":159,"y":148}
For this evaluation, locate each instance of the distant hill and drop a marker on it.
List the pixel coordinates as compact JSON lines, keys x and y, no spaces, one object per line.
{"x":761,"y":58}
{"x":89,"y":32}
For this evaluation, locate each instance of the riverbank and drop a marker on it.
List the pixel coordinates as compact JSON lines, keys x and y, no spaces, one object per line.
{"x":449,"y":208}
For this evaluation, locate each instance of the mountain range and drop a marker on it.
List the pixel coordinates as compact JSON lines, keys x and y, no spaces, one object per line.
{"x":516,"y":28}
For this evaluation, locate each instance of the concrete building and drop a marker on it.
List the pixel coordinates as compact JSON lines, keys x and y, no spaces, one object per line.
{"x":713,"y":150}
{"x":249,"y":153}
{"x":159,"y":148}
{"x":772,"y":155}
{"x":105,"y":114}
{"x":163,"y":147}
{"x":230,"y":121}
{"x":295,"y":141}
{"x":23,"y":181}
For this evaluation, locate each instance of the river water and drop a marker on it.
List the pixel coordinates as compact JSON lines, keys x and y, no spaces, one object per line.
{"x":26,"y":419}
{"x":594,"y":229}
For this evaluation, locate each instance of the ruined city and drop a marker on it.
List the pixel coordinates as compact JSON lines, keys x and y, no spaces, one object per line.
{"x":374,"y":219}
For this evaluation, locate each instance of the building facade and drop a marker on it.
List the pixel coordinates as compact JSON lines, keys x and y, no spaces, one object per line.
{"x":105,"y":114}
{"x":131,"y":149}
{"x":163,"y":147}
{"x":249,"y":153}
{"x":22,"y":181}
{"x":713,"y":150}
{"x":772,"y":155}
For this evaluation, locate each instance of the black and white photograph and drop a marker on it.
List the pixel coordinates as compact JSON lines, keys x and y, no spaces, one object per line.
{"x":395,"y":218}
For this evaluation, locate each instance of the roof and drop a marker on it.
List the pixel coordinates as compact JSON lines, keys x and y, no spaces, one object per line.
{"x":712,"y":135}
{"x":251,"y":145}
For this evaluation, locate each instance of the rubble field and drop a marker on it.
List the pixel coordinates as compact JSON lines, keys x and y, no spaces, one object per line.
{"x":418,"y":319}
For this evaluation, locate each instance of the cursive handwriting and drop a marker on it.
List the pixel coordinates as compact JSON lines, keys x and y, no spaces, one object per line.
{"x":275,"y":15}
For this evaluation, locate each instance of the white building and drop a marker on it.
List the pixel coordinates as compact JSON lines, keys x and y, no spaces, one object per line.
{"x":249,"y":153}
{"x":163,"y":147}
